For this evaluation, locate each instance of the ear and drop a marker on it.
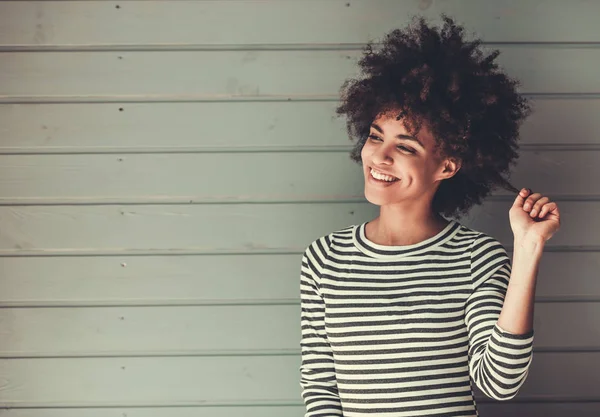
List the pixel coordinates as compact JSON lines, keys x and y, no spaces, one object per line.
{"x":449,"y":168}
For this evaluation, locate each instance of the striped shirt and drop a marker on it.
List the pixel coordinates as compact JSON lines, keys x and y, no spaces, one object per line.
{"x":405,"y":330}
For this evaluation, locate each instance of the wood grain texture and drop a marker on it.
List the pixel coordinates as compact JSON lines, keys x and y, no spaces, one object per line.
{"x":275,"y":73}
{"x":499,"y":409}
{"x":128,"y":107}
{"x":272,"y":176}
{"x":210,"y":279}
{"x":203,"y":330}
{"x":250,"y":227}
{"x":235,"y":126}
{"x":83,"y":23}
{"x":243,"y":379}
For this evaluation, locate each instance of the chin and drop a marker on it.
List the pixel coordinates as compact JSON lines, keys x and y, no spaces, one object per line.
{"x":378,"y":199}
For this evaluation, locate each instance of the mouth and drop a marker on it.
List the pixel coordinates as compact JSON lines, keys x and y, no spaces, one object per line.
{"x":381,"y":177}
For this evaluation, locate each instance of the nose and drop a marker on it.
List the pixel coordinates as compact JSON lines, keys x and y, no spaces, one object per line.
{"x":382,"y":155}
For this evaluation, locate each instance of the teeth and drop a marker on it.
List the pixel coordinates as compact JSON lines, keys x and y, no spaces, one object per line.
{"x":382,"y":177}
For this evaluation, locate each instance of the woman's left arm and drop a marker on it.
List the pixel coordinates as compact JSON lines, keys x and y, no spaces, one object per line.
{"x":499,"y":312}
{"x":534,"y":219}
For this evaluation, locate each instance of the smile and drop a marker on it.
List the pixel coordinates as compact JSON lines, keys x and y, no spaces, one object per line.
{"x":380,"y":177}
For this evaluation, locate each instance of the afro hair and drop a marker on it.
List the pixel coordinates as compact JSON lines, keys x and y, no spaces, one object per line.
{"x":435,"y":76}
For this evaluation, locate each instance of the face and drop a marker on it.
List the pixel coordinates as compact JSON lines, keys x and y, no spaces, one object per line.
{"x":400,"y":168}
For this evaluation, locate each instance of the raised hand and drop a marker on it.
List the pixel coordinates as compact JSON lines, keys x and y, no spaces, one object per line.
{"x":533,"y":217}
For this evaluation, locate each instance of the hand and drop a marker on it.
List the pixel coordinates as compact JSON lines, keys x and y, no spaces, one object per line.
{"x":533,"y":217}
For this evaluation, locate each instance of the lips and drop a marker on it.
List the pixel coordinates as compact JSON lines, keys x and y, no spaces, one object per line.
{"x":382,"y":176}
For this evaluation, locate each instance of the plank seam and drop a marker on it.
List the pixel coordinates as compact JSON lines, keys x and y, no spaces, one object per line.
{"x":260,"y":403}
{"x":224,"y":353}
{"x":265,"y":47}
{"x":529,"y":147}
{"x":194,"y":200}
{"x":191,"y":252}
{"x":76,"y":99}
{"x":30,"y":304}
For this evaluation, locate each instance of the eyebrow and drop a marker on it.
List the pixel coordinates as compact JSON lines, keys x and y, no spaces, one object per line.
{"x":400,"y":136}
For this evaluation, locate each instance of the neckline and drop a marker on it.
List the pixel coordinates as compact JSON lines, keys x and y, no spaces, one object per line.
{"x":397,"y":251}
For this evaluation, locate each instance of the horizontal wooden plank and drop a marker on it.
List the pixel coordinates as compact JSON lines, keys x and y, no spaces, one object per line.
{"x":487,"y":409}
{"x":148,"y":330}
{"x":581,"y":270}
{"x":176,"y":411}
{"x":152,"y":127}
{"x":116,"y":331}
{"x":250,"y":228}
{"x":200,"y":227}
{"x":181,"y":380}
{"x":567,"y":325}
{"x":191,"y":381}
{"x":562,"y":121}
{"x":229,"y":74}
{"x":271,"y":176}
{"x":549,"y":371}
{"x":576,"y":219}
{"x":276,"y":176}
{"x":162,"y":279}
{"x":176,"y":280}
{"x":86,"y":23}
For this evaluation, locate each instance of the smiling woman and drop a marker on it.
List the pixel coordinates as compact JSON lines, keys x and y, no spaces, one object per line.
{"x":445,"y":91}
{"x":390,"y":150}
{"x":401,"y":314}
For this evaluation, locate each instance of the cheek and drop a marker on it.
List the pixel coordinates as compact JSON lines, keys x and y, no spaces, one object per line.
{"x":415,"y":173}
{"x":364,"y":155}
{"x":364,"y":151}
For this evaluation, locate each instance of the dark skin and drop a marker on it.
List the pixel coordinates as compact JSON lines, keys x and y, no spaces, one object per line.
{"x":415,"y":170}
{"x":405,"y":216}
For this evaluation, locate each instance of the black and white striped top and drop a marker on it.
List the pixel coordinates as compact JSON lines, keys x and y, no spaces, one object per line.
{"x":402,"y":330}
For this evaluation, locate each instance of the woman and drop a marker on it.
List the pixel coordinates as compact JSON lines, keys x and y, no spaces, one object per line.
{"x":401,"y":313}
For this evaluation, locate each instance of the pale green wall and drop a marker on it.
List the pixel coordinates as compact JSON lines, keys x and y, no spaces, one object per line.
{"x":163,"y":164}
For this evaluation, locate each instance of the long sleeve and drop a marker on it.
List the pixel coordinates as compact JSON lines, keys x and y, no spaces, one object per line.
{"x":498,"y":361}
{"x":317,"y":371}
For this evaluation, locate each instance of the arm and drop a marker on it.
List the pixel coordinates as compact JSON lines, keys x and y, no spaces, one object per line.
{"x":533,"y":219}
{"x":498,"y":359}
{"x":317,"y":372}
{"x":517,"y":313}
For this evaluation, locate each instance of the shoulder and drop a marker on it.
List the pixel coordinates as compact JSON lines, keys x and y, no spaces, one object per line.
{"x":485,"y":246}
{"x":478,"y":242}
{"x":488,"y":258}
{"x":324,"y":243}
{"x":317,"y":252}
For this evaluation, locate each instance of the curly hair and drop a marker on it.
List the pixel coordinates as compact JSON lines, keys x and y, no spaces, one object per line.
{"x":435,"y":76}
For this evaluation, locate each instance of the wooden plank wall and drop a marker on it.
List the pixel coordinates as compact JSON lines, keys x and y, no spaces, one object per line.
{"x":164,"y":163}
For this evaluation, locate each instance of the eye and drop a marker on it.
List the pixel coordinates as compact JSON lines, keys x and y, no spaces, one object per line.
{"x":405,"y":149}
{"x":375,"y":138}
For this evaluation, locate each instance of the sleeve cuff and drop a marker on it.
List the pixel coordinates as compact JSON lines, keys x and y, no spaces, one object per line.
{"x":514,"y":336}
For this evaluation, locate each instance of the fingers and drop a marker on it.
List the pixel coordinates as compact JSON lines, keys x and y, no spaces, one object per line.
{"x":526,"y":200}
{"x":537,"y":206}
{"x":534,"y":203}
{"x":520,"y":199}
{"x":548,"y":208}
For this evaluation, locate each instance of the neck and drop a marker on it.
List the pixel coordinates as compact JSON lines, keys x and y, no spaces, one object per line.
{"x":397,"y":226}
